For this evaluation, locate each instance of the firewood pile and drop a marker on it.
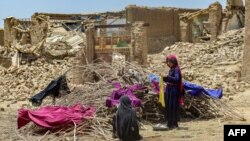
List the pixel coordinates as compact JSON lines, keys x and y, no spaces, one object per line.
{"x":206,"y":107}
{"x":152,"y":110}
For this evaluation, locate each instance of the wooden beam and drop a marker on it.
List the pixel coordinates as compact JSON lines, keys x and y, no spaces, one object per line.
{"x":117,"y":25}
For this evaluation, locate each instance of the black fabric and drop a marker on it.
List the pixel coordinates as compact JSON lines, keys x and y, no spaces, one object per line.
{"x":52,"y":89}
{"x":125,"y":124}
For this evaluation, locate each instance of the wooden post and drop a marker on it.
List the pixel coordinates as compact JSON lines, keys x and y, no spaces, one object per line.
{"x":90,"y":50}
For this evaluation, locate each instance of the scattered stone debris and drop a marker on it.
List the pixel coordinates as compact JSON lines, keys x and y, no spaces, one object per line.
{"x":2,"y":109}
{"x":210,"y":64}
{"x":25,"y":69}
{"x":36,"y":52}
{"x":20,"y":83}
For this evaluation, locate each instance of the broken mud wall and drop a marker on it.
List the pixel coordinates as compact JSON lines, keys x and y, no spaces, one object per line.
{"x":215,"y":19}
{"x":11,"y":34}
{"x":163,"y":27}
{"x":186,"y":31}
{"x":1,"y":37}
{"x":104,"y":55}
{"x":139,"y":43}
{"x":235,"y":3}
{"x":59,"y":16}
{"x":234,"y":15}
{"x":246,"y":55}
{"x":39,"y":28}
{"x":25,"y":32}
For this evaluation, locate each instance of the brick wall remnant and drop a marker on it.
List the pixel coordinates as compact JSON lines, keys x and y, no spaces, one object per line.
{"x":16,"y":32}
{"x":139,"y":49}
{"x":77,"y":69}
{"x":163,"y":30}
{"x":215,"y":19}
{"x":234,"y":15}
{"x":39,"y":28}
{"x":186,"y":31}
{"x":84,"y":56}
{"x":11,"y":34}
{"x":1,"y":37}
{"x":246,"y":55}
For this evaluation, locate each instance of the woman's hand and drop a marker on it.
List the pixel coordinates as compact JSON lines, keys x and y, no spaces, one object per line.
{"x":162,"y":74}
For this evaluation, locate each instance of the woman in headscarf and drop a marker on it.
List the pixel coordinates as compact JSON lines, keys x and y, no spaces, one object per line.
{"x":173,"y":92}
{"x":125,"y":123}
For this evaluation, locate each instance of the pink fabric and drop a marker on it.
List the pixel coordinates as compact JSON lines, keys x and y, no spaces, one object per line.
{"x":53,"y":116}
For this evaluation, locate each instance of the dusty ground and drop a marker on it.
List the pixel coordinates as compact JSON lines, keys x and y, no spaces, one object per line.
{"x":207,"y":130}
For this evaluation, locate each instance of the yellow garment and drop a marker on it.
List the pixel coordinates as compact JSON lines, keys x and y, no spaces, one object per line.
{"x":161,"y":93}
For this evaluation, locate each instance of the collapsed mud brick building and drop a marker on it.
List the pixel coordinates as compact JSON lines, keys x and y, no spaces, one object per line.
{"x":110,"y":28}
{"x":163,"y":30}
{"x":207,"y":24}
{"x":134,"y":32}
{"x":234,"y":15}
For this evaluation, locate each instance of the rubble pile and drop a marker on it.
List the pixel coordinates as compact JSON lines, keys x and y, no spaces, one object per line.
{"x":61,"y":43}
{"x":30,"y":71}
{"x":41,"y":37}
{"x":19,"y":84}
{"x":210,"y":64}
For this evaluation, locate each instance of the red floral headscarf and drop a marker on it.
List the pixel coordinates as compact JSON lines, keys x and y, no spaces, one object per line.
{"x":173,"y":59}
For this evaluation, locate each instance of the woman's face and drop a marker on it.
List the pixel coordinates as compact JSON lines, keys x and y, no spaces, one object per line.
{"x":170,"y":64}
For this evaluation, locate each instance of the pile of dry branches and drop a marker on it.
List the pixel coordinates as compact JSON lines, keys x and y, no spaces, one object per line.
{"x":204,"y":106}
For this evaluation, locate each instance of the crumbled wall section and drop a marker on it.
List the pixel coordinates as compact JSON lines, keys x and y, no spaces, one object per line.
{"x":16,"y":33}
{"x":215,"y":16}
{"x":139,"y":49}
{"x":85,"y":56}
{"x":11,"y":34}
{"x":163,"y":29}
{"x":77,"y":71}
{"x":39,"y":28}
{"x":59,"y":16}
{"x":1,"y":37}
{"x":186,"y":31}
{"x":124,"y":51}
{"x":246,"y":55}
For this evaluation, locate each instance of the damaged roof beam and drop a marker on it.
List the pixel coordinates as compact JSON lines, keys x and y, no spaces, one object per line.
{"x":117,"y":25}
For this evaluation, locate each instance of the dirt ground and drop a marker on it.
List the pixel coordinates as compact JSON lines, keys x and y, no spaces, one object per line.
{"x":207,"y":130}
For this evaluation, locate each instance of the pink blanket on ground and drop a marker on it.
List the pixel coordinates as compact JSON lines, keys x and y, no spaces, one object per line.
{"x":53,"y":116}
